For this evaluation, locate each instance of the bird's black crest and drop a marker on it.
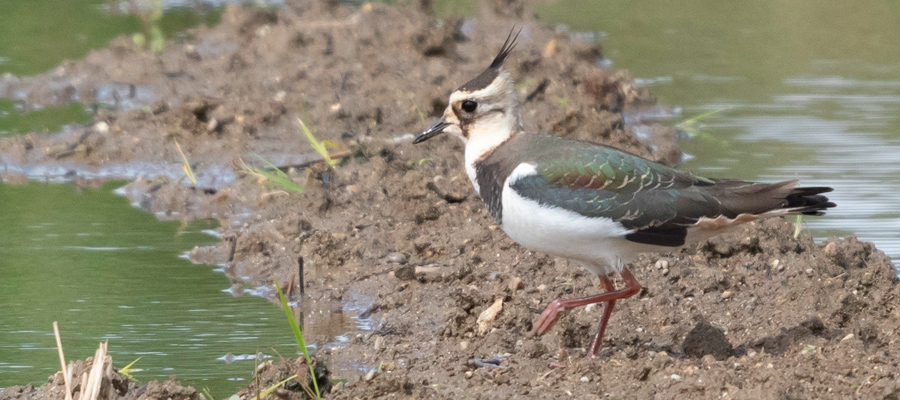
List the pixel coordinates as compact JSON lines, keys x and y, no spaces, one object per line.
{"x":482,"y":81}
{"x":508,"y":45}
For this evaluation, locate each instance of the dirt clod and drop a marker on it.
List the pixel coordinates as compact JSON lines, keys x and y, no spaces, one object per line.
{"x":706,"y":339}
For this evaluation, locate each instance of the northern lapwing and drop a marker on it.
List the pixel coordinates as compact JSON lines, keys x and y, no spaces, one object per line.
{"x":594,"y":204}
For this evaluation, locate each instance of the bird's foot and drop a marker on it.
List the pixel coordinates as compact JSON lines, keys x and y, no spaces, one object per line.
{"x":549,"y":317}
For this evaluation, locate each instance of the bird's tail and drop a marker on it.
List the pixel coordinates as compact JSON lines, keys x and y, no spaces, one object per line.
{"x":773,"y":199}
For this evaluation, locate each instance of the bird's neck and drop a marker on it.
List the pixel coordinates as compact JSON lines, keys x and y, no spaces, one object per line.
{"x":485,"y":135}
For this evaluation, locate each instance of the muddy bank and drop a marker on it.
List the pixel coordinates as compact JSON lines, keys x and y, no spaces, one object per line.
{"x":755,"y":314}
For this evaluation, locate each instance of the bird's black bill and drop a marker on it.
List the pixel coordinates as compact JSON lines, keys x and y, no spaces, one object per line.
{"x":431,"y":132}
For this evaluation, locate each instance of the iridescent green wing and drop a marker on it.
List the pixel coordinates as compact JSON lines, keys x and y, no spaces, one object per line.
{"x":654,"y":201}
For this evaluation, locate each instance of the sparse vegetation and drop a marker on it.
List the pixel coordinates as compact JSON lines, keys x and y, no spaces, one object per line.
{"x":298,"y":335}
{"x":691,"y":126}
{"x":186,"y":165}
{"x":271,"y":177}
{"x":128,"y":370}
{"x":150,"y":27}
{"x":320,"y":147}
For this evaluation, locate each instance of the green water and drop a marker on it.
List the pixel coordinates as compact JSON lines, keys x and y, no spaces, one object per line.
{"x":107,"y":271}
{"x":37,"y":35}
{"x":810,"y":89}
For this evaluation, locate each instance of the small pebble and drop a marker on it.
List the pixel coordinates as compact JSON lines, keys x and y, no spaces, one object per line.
{"x":589,"y":307}
{"x":101,"y":128}
{"x":830,"y":249}
{"x":708,"y":359}
{"x":515,"y":284}
{"x":662,"y":264}
{"x":777,"y":265}
{"x":675,"y":377}
{"x":542,"y":287}
{"x":665,"y":272}
{"x":464,"y":345}
{"x":848,"y":337}
{"x":370,"y":375}
{"x":405,"y":273}
{"x":379,"y":342}
{"x":397,"y":257}
{"x":727,"y":295}
{"x":585,"y":379}
{"x":809,"y":271}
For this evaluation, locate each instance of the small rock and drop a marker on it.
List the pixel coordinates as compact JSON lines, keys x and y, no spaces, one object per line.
{"x":662,"y":264}
{"x":379,"y":341}
{"x":665,"y":272}
{"x":212,"y":124}
{"x":708,"y":359}
{"x":101,"y":127}
{"x":542,"y":287}
{"x":464,"y":345}
{"x":831,"y":249}
{"x":706,"y":339}
{"x":726,"y":295}
{"x":585,"y":379}
{"x":370,"y":375}
{"x":279,"y":97}
{"x":486,"y":318}
{"x":397,"y":257}
{"x":675,"y":377}
{"x":515,"y":284}
{"x":405,"y":273}
{"x":468,"y":374}
{"x":809,"y":272}
{"x":777,"y":265}
{"x":848,"y":337}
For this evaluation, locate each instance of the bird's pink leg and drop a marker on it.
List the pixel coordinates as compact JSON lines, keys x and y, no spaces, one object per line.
{"x":560,"y":306}
{"x":607,"y":311}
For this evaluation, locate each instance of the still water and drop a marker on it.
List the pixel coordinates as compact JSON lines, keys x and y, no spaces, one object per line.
{"x":107,"y":271}
{"x":807,"y":89}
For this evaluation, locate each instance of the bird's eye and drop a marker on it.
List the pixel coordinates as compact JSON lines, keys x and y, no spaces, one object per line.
{"x":469,"y":106}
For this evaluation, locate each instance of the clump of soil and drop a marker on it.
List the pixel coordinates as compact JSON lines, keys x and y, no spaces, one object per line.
{"x":114,"y":386}
{"x":753,"y":314}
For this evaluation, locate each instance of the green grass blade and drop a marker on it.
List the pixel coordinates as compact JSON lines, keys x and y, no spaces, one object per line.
{"x":298,"y":335}
{"x":318,"y":146}
{"x":272,"y":388}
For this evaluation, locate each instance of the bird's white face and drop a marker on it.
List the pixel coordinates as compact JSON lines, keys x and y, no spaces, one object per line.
{"x":483,"y":118}
{"x":487,"y":114}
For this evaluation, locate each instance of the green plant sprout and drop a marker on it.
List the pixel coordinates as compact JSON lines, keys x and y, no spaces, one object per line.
{"x":271,"y":177}
{"x":186,"y":165}
{"x":272,"y":388}
{"x":298,"y":335}
{"x":798,"y":225}
{"x":127,"y":370}
{"x":319,"y":147}
{"x":419,"y":113}
{"x":691,"y":126}
{"x":150,"y":27}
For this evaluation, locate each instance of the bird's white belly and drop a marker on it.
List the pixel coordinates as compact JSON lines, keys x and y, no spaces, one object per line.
{"x":597,"y":242}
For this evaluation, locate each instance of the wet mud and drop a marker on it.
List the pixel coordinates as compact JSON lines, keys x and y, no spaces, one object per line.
{"x":396,"y":230}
